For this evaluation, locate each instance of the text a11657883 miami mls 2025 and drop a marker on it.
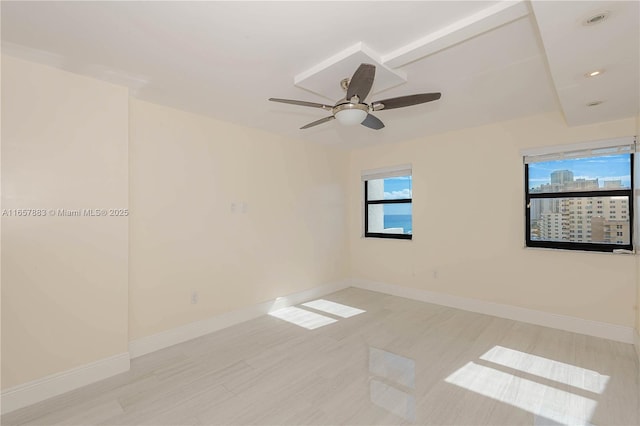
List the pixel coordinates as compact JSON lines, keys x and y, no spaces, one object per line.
{"x":65,"y":212}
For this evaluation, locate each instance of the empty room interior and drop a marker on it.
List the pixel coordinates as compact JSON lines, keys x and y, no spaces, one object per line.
{"x":208,"y":213}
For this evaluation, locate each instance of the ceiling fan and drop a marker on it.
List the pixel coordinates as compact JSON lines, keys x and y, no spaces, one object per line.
{"x":352,"y":109}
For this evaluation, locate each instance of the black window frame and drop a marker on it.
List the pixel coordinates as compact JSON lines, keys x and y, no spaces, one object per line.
{"x":368,"y":202}
{"x":568,"y":245}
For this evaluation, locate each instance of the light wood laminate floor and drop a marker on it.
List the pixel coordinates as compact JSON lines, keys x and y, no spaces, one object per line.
{"x":372,"y":359}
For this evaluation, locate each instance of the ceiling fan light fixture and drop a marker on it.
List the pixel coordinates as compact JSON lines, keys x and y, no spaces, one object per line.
{"x":350,"y":114}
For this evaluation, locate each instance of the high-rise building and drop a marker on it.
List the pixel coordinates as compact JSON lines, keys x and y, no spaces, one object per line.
{"x":591,"y":219}
{"x":581,"y":185}
{"x":552,"y":227}
{"x":612,"y":184}
{"x":610,"y":231}
{"x":561,"y":177}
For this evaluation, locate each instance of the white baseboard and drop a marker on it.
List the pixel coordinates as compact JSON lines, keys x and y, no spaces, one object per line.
{"x":196,"y":329}
{"x":615,"y":332}
{"x":65,"y":381}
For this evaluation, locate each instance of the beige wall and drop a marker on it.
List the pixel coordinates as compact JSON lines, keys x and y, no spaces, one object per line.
{"x":472,"y":180}
{"x":64,"y":279}
{"x":185,"y":172}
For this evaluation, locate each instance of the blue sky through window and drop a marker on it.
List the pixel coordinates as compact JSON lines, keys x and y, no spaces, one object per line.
{"x":610,"y":167}
{"x":395,"y":188}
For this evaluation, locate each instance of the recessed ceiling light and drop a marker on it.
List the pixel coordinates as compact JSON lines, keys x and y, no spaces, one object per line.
{"x":594,"y":103}
{"x":594,"y":73}
{"x":596,"y":18}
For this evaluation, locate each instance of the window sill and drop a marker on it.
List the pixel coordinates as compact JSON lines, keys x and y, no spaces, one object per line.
{"x":405,"y":237}
{"x":624,"y":253}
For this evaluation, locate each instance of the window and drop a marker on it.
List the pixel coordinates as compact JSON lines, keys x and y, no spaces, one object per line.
{"x":388,"y":203}
{"x":558,"y":184}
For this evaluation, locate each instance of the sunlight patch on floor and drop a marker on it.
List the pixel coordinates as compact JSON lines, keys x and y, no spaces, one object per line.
{"x":302,"y":317}
{"x":334,"y":308}
{"x":543,"y":401}
{"x":561,"y":372}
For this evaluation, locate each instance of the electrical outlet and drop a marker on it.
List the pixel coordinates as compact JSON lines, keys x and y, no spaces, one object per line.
{"x":194,"y":297}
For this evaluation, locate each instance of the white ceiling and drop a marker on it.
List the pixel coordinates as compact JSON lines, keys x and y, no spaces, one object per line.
{"x":492,"y":61}
{"x":573,"y":48}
